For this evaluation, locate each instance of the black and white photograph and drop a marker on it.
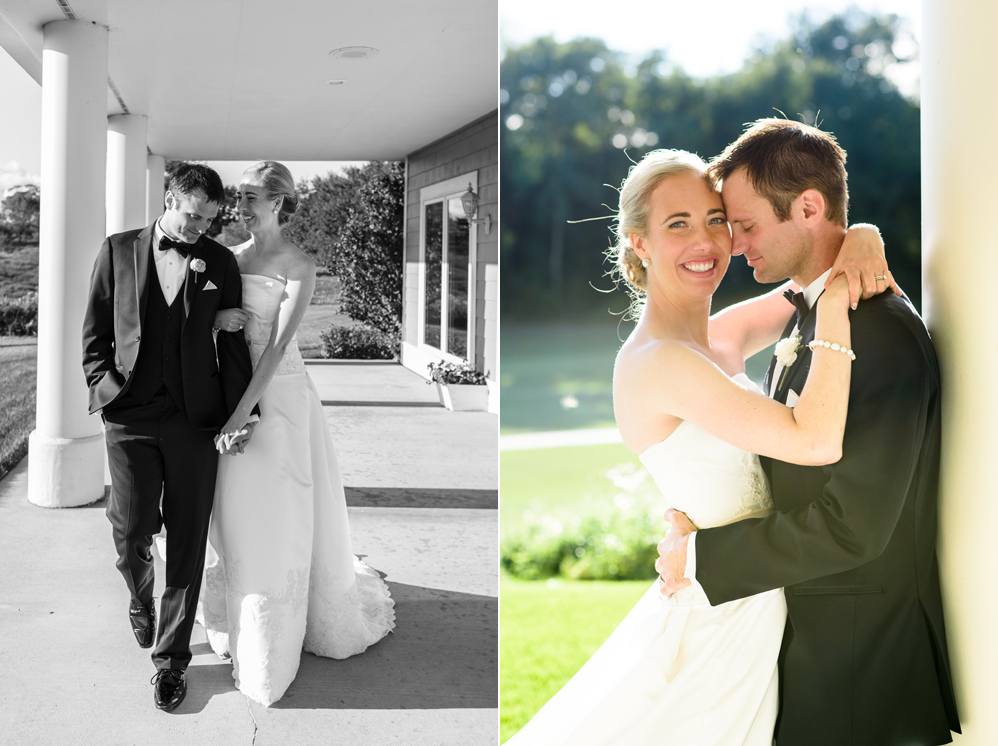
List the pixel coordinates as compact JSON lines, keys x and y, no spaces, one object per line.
{"x":249,"y":319}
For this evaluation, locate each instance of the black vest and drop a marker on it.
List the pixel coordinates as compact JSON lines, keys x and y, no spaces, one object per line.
{"x":158,"y":363}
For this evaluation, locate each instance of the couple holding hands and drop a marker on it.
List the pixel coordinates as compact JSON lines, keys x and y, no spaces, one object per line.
{"x":190,"y":353}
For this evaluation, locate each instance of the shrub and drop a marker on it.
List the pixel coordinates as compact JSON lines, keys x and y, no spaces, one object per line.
{"x":369,"y":247}
{"x":19,"y":316}
{"x":358,"y":343}
{"x":617,"y":541}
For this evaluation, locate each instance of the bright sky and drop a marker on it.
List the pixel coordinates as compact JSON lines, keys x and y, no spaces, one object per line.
{"x":703,"y":37}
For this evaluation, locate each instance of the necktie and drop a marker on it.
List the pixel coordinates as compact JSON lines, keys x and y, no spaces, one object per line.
{"x":180,"y":247}
{"x":798,"y":302}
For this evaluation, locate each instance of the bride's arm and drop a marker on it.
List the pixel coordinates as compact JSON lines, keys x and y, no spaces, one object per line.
{"x":753,"y":325}
{"x":298,"y":294}
{"x":810,"y":433}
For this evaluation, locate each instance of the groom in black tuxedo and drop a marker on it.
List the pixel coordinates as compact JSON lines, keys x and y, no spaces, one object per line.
{"x":164,"y":390}
{"x":864,"y":659}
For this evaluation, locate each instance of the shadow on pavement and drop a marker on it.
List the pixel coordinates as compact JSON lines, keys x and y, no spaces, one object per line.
{"x":443,"y":654}
{"x":413,"y":497}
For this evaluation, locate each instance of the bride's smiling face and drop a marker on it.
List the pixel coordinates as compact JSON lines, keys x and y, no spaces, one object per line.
{"x":687,"y":241}
{"x":255,"y":207}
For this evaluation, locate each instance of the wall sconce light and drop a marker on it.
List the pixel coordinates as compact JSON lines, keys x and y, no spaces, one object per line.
{"x":469,"y":201}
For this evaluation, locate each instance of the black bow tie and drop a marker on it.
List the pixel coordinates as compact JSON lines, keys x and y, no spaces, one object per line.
{"x":180,"y":247}
{"x":799,"y":302}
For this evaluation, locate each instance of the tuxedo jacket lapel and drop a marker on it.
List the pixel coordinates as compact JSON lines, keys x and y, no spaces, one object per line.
{"x":797,"y":373}
{"x":192,"y":281}
{"x":142,"y":255}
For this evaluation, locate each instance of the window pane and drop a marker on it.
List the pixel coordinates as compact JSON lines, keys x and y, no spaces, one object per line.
{"x":434,"y":219}
{"x":457,"y":279}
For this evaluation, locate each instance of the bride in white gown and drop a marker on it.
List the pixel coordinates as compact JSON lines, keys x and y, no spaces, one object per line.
{"x":280,"y":575}
{"x":677,"y":670}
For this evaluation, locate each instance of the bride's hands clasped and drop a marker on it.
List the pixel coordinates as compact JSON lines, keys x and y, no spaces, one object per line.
{"x":233,"y":438}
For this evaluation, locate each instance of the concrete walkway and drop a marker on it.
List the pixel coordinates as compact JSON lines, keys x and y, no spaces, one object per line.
{"x":422,"y":486}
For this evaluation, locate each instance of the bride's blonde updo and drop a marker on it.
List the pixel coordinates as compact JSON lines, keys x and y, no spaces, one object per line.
{"x":278,"y":181}
{"x":632,"y":216}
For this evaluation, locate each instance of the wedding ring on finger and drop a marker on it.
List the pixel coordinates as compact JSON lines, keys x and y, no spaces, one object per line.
{"x":880,"y":277}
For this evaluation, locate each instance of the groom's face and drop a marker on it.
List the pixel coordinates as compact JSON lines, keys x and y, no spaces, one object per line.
{"x":187,"y":216}
{"x":774,"y":250}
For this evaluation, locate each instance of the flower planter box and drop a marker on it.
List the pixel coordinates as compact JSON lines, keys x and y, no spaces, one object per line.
{"x":463,"y":397}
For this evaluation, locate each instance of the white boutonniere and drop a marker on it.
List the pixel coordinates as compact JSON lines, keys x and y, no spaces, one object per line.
{"x":786,"y":354}
{"x":198,"y":265}
{"x":786,"y":350}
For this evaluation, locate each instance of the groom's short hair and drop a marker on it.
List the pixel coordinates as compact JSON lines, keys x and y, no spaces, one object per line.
{"x":189,"y":178}
{"x":782,"y":158}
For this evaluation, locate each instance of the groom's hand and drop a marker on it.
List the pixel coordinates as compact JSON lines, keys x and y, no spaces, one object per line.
{"x":671,"y":562}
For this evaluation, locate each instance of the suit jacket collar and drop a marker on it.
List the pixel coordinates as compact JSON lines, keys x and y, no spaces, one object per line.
{"x":142,"y":256}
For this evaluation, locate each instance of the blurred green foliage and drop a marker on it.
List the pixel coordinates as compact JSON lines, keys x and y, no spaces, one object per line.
{"x":574,"y":115}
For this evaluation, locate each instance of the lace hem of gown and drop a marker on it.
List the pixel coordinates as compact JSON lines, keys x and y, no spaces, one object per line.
{"x":347,"y":623}
{"x":309,"y":609}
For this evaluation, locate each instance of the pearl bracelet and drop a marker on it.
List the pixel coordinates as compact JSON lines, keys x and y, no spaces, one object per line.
{"x":831,"y":346}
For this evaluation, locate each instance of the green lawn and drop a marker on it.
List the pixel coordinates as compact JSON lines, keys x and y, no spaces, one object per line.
{"x":560,"y":376}
{"x":559,"y":480}
{"x":18,"y":271}
{"x":547,"y":630}
{"x":321,"y":314}
{"x":18,"y":362}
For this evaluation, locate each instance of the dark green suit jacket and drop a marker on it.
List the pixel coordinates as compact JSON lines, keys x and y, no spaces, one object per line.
{"x":864,"y":658}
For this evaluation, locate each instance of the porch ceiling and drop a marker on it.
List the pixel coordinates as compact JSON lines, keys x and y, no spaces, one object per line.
{"x":246,"y":79}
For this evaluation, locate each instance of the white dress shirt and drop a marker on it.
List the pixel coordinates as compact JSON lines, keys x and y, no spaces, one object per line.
{"x":811,"y":293}
{"x":171,"y":267}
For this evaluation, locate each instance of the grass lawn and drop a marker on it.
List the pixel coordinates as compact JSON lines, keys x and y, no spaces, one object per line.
{"x":547,"y":630}
{"x":559,"y":376}
{"x":321,"y":314}
{"x":18,"y":271}
{"x":557,"y":480}
{"x":18,"y":362}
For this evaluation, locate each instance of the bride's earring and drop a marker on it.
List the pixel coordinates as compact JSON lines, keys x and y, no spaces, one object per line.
{"x":646,"y":263}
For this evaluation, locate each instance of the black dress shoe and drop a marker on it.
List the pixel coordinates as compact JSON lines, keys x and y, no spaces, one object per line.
{"x":143,"y":619}
{"x":170,"y":688}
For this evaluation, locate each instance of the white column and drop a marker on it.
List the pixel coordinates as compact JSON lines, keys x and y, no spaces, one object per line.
{"x":126,"y":173}
{"x":959,"y":162}
{"x":66,"y":450}
{"x":155,"y":189}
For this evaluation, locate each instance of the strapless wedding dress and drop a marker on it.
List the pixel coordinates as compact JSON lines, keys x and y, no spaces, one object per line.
{"x":280,"y":575}
{"x":675,"y":671}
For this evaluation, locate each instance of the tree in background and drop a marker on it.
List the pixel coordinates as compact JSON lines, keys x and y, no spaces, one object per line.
{"x":325,"y":206}
{"x":574,"y":117}
{"x":367,"y":253}
{"x":19,"y":215}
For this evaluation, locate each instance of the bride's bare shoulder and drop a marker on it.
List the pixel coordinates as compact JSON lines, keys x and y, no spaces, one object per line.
{"x":241,"y":247}
{"x":659,"y":357}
